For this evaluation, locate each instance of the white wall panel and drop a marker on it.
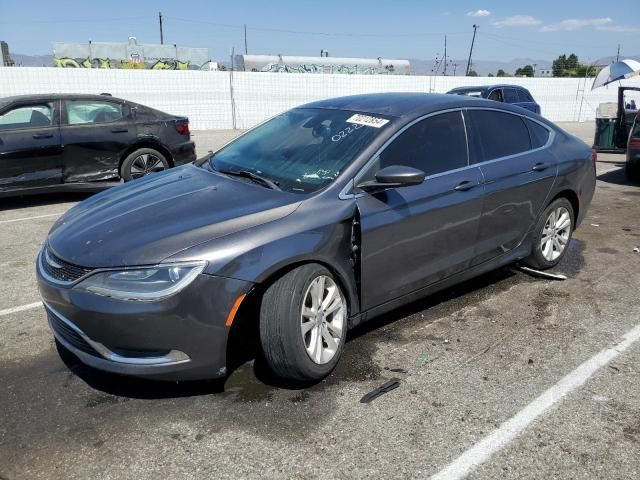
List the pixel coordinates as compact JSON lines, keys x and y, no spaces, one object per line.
{"x":206,"y":99}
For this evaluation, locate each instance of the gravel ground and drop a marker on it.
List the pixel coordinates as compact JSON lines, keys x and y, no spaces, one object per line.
{"x":470,"y":358}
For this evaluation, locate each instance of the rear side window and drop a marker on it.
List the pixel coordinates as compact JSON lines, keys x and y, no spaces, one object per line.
{"x":511,"y":95}
{"x":27,"y":116}
{"x":524,"y":96}
{"x":498,"y":134}
{"x":434,"y":145}
{"x":539,"y":134}
{"x":91,"y":111}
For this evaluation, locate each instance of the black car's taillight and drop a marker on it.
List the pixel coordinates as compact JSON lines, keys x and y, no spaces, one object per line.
{"x":182,"y":126}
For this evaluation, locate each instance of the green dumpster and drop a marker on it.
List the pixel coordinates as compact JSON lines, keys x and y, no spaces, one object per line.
{"x":605,"y":134}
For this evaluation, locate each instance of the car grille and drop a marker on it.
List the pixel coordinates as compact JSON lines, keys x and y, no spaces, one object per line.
{"x":60,"y":270}
{"x":68,"y":334}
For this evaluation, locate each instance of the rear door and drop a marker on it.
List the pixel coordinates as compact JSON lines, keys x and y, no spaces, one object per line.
{"x":416,"y":235}
{"x":95,"y":135}
{"x":518,"y":171}
{"x":30,"y":149}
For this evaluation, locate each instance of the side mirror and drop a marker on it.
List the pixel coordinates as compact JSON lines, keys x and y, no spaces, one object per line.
{"x":394,"y":176}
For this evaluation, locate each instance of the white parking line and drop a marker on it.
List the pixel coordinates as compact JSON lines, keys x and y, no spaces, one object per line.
{"x":29,"y":306}
{"x":31,"y":218}
{"x":510,"y":429}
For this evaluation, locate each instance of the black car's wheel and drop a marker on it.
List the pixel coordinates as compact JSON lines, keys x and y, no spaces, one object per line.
{"x":303,"y":324}
{"x":142,"y":162}
{"x":552,"y":235}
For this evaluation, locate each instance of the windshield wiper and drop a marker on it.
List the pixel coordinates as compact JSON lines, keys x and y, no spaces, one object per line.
{"x":252,"y":176}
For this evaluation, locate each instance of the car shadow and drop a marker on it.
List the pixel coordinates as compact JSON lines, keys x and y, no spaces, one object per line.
{"x":247,"y":361}
{"x":616,"y":177}
{"x":40,"y":200}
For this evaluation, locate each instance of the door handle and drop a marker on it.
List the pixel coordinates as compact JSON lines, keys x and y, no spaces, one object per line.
{"x":539,"y":167}
{"x":119,"y":130}
{"x":464,"y":186}
{"x":42,"y":135}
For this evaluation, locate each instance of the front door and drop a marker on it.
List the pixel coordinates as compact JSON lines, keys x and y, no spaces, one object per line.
{"x":518,"y":173}
{"x":30,"y":150}
{"x":95,"y":135}
{"x":416,"y":235}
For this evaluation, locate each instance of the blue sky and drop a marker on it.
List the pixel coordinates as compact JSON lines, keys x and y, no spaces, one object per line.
{"x":397,"y":29}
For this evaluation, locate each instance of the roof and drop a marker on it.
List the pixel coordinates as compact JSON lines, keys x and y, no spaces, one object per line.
{"x":485,"y":87}
{"x":399,"y":104}
{"x":43,"y":97}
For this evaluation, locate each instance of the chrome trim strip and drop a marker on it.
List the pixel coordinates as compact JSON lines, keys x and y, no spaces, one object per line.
{"x":174,"y":357}
{"x":55,"y":281}
{"x":49,"y":278}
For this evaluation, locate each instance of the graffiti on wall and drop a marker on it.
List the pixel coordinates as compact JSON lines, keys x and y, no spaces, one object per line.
{"x":129,"y":55}
{"x":329,"y":65}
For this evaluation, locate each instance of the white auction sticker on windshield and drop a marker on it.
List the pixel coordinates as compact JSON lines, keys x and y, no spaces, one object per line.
{"x":367,"y":120}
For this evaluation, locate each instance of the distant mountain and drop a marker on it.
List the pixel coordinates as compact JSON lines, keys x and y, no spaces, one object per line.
{"x":483,"y":67}
{"x":32,"y":60}
{"x":612,"y":58}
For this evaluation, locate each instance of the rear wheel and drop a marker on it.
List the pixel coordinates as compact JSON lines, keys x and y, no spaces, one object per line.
{"x":142,"y":162}
{"x":303,"y":324}
{"x":552,"y":235}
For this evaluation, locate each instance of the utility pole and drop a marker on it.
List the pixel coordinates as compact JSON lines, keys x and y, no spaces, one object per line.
{"x":618,"y":55}
{"x":445,"y":55}
{"x":161,"y":32}
{"x":246,"y":51}
{"x":475,"y":27}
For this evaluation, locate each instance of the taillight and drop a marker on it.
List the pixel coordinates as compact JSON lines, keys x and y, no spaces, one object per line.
{"x":182,"y":126}
{"x":594,"y":156}
{"x":634,"y":142}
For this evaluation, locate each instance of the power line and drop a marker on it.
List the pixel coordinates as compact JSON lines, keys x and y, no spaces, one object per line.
{"x":304,"y":32}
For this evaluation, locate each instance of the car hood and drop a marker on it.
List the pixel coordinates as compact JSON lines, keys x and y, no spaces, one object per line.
{"x":148,"y":220}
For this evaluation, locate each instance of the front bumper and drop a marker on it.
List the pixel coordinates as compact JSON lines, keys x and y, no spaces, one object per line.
{"x":182,"y":337}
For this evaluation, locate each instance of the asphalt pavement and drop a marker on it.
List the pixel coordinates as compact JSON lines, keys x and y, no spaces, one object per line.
{"x":468,"y":360}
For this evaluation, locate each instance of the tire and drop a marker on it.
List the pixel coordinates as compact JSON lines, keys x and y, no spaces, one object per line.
{"x":287,"y":350}
{"x":142,"y":162}
{"x":547,"y":254}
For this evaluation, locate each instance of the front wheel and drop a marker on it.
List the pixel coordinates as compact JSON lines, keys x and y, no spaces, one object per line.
{"x":142,"y":162}
{"x":552,"y":235}
{"x":303,"y":324}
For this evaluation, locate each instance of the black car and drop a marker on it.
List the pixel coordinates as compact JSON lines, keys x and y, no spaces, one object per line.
{"x":84,"y":142}
{"x":632,"y":166}
{"x":513,"y":94}
{"x":315,"y":221}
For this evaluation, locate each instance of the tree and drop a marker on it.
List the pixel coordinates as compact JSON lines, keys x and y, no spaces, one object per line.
{"x":502,"y":73}
{"x":472,"y":73}
{"x":568,"y":66}
{"x":526,"y":71}
{"x":490,"y":75}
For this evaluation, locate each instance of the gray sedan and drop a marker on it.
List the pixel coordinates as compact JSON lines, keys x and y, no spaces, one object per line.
{"x":319,"y":219}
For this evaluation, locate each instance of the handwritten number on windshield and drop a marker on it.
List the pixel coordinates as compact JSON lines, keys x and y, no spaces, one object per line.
{"x":346,"y":131}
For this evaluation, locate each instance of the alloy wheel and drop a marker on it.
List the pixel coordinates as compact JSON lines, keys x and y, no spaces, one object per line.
{"x":322,"y":319}
{"x":555,"y":234}
{"x":145,"y":164}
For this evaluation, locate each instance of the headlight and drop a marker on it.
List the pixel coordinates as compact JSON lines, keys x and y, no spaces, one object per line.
{"x":148,"y":283}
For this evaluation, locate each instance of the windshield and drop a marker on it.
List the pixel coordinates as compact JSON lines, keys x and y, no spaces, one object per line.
{"x":300,"y":150}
